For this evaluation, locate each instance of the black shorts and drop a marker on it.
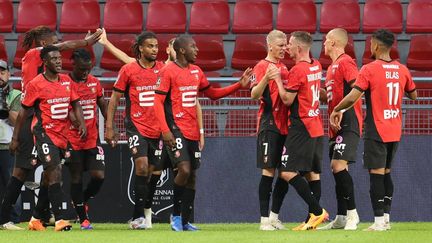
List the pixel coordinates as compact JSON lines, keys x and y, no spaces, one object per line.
{"x":184,"y":150}
{"x":302,"y":153}
{"x":48,"y":153}
{"x":90,"y":159}
{"x":378,"y":154}
{"x":269,"y":149}
{"x":165,"y":161}
{"x":344,"y":147}
{"x":26,"y":154}
{"x":141,"y":146}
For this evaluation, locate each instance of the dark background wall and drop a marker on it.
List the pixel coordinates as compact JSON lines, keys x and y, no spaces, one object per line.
{"x":227,"y":187}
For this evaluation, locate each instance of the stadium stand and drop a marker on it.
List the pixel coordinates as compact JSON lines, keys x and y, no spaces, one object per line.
{"x":209,"y":17}
{"x":373,"y":13}
{"x":166,"y":16}
{"x":123,"y":16}
{"x":20,"y":51}
{"x":420,"y":53}
{"x":32,"y":13}
{"x":211,"y":53}
{"x":394,"y":53}
{"x":252,"y":16}
{"x":163,"y":40}
{"x":296,"y":15}
{"x":418,"y":18}
{"x":3,"y":53}
{"x":6,"y":16}
{"x":326,"y":61}
{"x":66,"y":55}
{"x":124,"y":43}
{"x":248,"y":50}
{"x":347,"y":12}
{"x":88,"y":12}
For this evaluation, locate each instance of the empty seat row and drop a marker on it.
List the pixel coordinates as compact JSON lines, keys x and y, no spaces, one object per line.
{"x":213,"y":16}
{"x":248,"y":50}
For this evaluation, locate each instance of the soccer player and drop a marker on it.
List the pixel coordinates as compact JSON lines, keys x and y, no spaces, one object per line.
{"x":155,"y":174}
{"x":25,"y":160}
{"x":138,"y":81}
{"x":272,"y":128}
{"x":50,"y":94}
{"x":175,"y":107}
{"x":383,"y":82}
{"x":86,"y":155}
{"x":305,"y":133}
{"x":341,"y":75}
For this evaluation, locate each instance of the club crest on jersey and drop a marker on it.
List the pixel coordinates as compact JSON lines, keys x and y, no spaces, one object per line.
{"x":196,"y":76}
{"x":67,"y":88}
{"x":93,"y":90}
{"x":265,"y":159}
{"x":177,"y":154}
{"x":158,"y":82}
{"x":134,"y":150}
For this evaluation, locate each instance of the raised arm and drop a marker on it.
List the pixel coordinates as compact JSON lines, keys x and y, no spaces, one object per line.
{"x":217,"y":93}
{"x":89,"y":40}
{"x":119,"y":54}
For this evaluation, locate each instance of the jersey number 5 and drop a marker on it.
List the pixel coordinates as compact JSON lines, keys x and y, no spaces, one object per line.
{"x":59,"y":111}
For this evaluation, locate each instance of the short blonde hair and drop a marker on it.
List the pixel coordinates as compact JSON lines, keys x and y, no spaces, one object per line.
{"x":274,"y":34}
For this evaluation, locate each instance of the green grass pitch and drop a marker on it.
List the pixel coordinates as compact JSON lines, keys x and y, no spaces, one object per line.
{"x":400,"y":232}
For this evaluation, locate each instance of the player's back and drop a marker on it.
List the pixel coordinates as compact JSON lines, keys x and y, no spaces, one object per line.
{"x":384,"y":84}
{"x":305,"y":79}
{"x":32,"y":65}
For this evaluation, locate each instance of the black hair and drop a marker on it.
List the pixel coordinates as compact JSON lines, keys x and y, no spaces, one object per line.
{"x":139,"y":40}
{"x":35,"y":35}
{"x":181,"y":42}
{"x":47,"y":49}
{"x":384,"y":36}
{"x":82,"y":54}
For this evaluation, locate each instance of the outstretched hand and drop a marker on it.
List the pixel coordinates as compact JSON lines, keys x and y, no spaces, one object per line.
{"x":93,"y":38}
{"x":245,"y":78}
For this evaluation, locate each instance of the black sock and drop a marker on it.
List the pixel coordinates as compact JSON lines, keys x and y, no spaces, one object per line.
{"x":279,"y":192}
{"x":377,"y":192}
{"x":93,"y":187}
{"x":388,"y":196}
{"x":42,"y":204}
{"x":264,"y":190}
{"x":315,"y":187}
{"x":13,"y":190}
{"x":348,"y":189}
{"x":141,"y":191}
{"x":55,"y":194}
{"x":302,"y":188}
{"x":178,"y":195}
{"x":341,"y":203}
{"x":187,"y":205}
{"x":152,"y":188}
{"x":78,"y":201}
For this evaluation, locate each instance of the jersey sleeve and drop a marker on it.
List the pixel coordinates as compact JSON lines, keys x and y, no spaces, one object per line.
{"x":350,"y":71}
{"x":295,"y":80}
{"x":164,"y":82}
{"x":99,"y":92}
{"x":257,"y":75}
{"x":204,"y":83}
{"x":29,"y":96}
{"x":410,"y":85}
{"x":362,"y":81}
{"x":74,"y":94}
{"x":122,"y":80}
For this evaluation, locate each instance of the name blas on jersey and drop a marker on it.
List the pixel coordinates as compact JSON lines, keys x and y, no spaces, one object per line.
{"x":392,"y":74}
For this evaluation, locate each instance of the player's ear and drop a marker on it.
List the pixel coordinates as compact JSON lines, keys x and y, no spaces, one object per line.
{"x":140,"y":48}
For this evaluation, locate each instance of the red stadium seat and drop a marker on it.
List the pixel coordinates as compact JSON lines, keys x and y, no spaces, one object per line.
{"x":32,"y":13}
{"x":326,"y":61}
{"x":123,"y":16}
{"x":210,"y":17}
{"x":163,"y":40}
{"x":6,"y":16}
{"x":80,"y":16}
{"x":248,"y":50}
{"x":394,"y":53}
{"x":296,"y":15}
{"x":382,"y":14}
{"x":166,"y":16}
{"x":418,"y":16}
{"x":340,"y":14}
{"x":252,"y":16}
{"x":123,"y":42}
{"x":212,"y":74}
{"x":211,"y":55}
{"x":420,"y":53}
{"x":3,"y":53}
{"x":20,"y":52}
{"x":66,"y":55}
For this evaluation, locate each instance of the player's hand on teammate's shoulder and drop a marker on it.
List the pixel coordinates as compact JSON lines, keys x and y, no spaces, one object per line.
{"x":93,"y":38}
{"x":335,"y":120}
{"x":169,"y":139}
{"x":13,"y":146}
{"x":245,"y":78}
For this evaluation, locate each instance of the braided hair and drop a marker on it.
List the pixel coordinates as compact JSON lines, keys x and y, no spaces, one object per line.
{"x":139,"y":40}
{"x":35,"y":35}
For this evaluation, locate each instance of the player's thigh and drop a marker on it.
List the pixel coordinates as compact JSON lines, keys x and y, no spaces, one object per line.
{"x":391,"y":152}
{"x":269,"y":149}
{"x":374,"y":155}
{"x":180,"y":152}
{"x":299,"y":152}
{"x":94,"y":159}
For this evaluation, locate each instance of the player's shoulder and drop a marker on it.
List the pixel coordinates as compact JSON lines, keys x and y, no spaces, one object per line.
{"x":262,"y":64}
{"x":93,"y":79}
{"x":65,"y":77}
{"x":195,"y":69}
{"x":347,"y":60}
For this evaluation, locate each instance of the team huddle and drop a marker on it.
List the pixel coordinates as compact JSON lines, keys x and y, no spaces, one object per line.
{"x":164,"y":126}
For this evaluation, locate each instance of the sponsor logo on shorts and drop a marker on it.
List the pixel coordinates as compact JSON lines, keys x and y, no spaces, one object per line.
{"x":265,"y":159}
{"x":284,"y":164}
{"x":339,"y":139}
{"x":339,"y":146}
{"x":67,"y":154}
{"x":48,"y":158}
{"x":33,"y":162}
{"x":160,"y":144}
{"x":158,"y":152}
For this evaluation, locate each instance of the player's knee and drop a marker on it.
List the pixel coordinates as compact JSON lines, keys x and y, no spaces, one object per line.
{"x":338,"y":166}
{"x":97,"y":174}
{"x":268,"y":172}
{"x":53,"y":174}
{"x":141,"y":166}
